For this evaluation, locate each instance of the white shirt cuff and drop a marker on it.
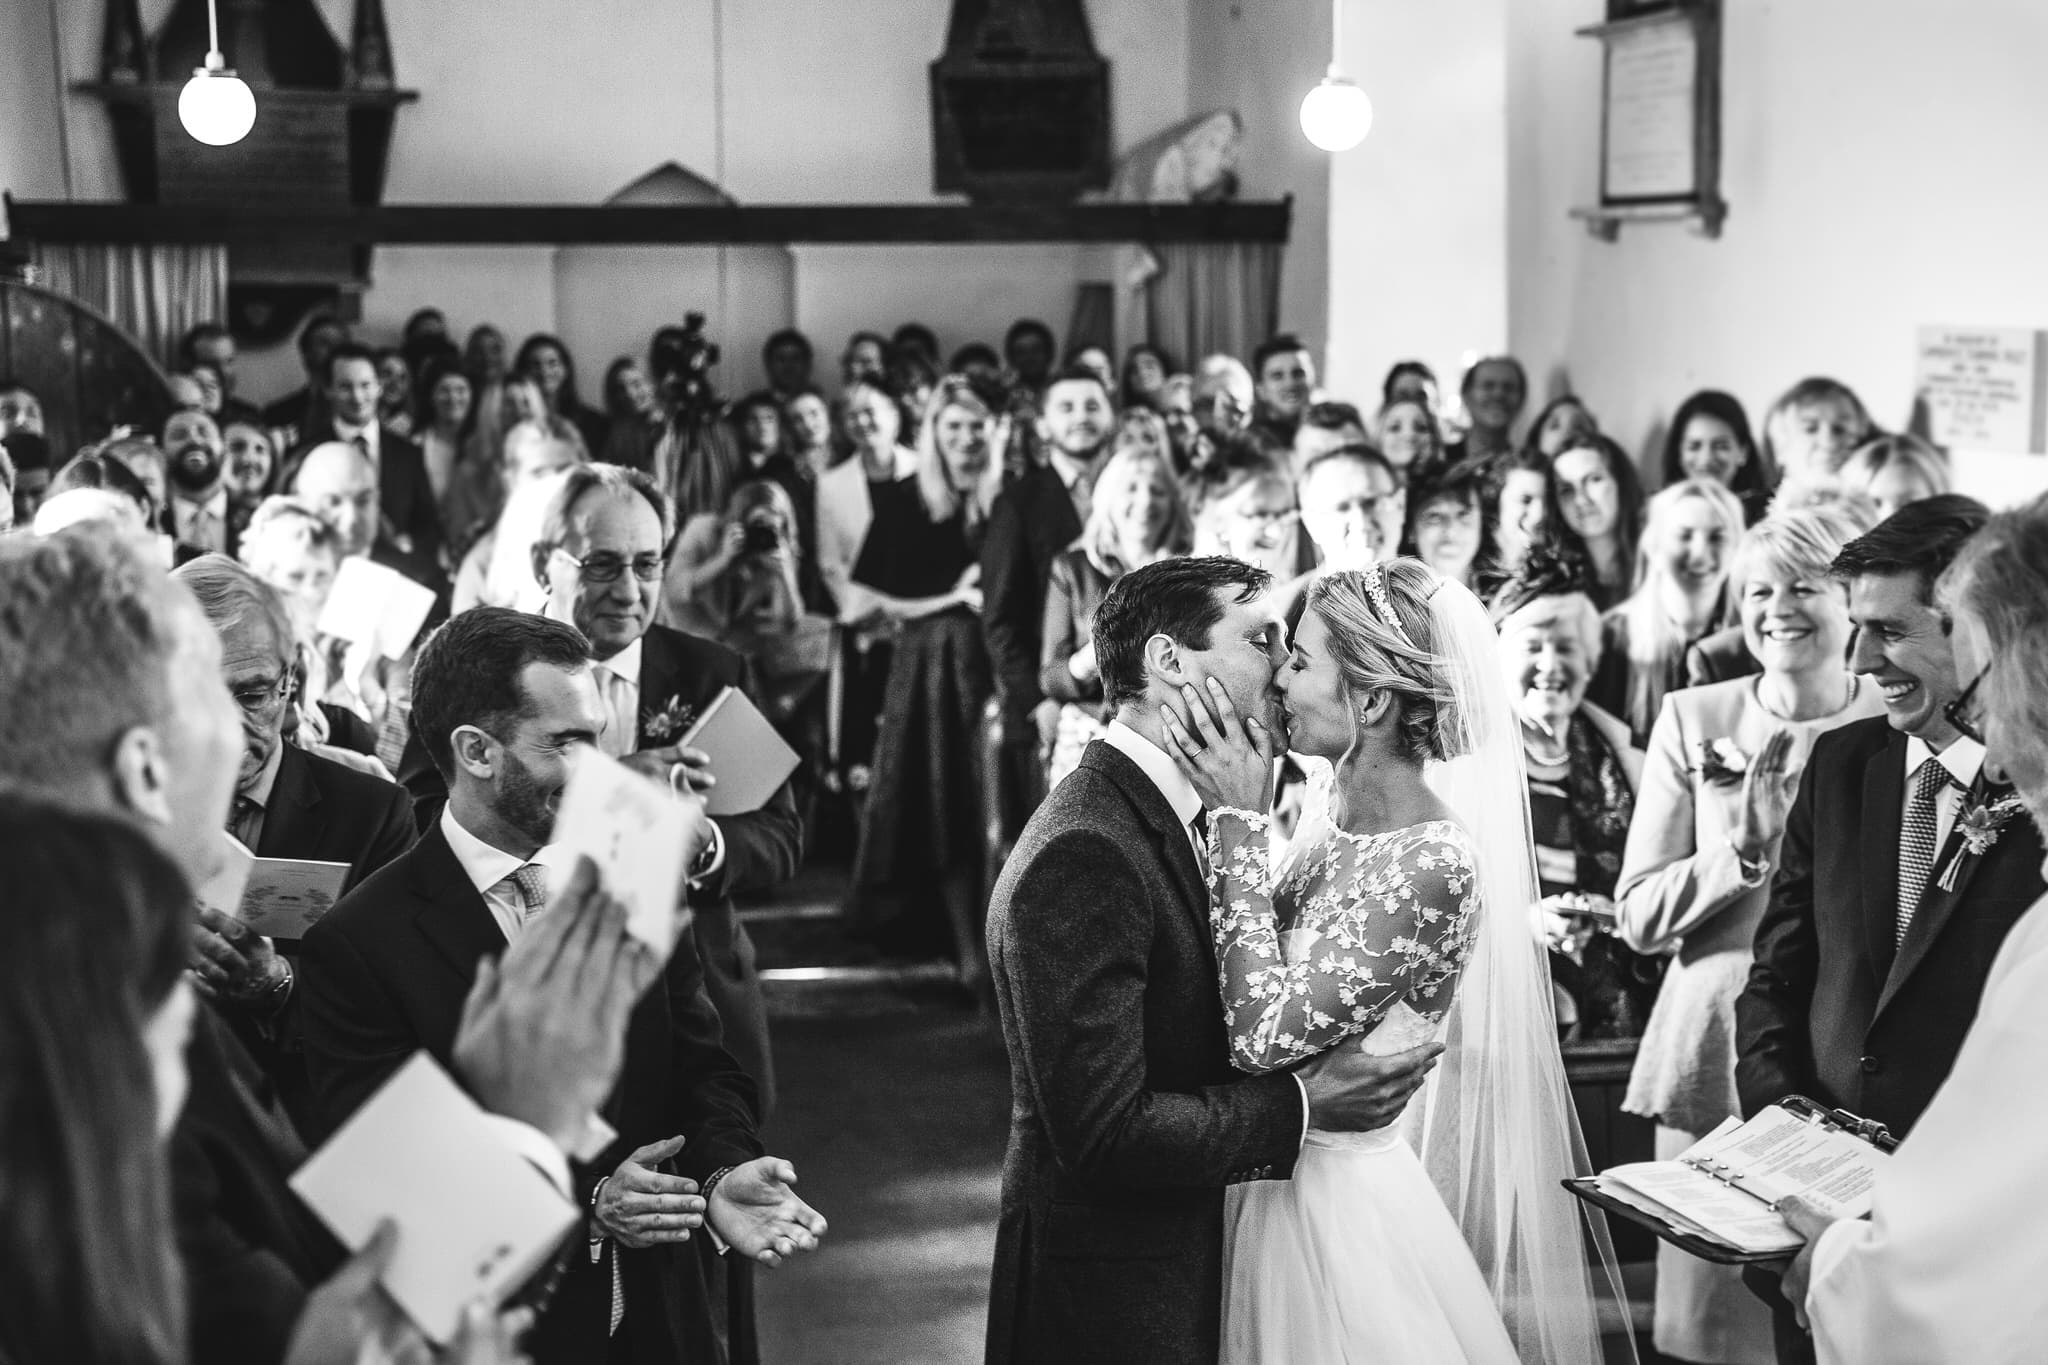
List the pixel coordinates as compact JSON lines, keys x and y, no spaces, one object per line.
{"x":538,"y":1148}
{"x":716,"y":861}
{"x":1830,"y":1249}
{"x":1303,"y":1087}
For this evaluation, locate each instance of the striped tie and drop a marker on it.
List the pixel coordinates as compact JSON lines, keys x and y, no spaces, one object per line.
{"x":1916,"y":840}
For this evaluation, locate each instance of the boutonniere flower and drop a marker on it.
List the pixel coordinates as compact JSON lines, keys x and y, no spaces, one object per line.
{"x":1979,"y":827}
{"x":1720,"y":762}
{"x":667,"y":721}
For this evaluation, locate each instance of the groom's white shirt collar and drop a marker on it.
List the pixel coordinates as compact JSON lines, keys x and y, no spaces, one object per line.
{"x":1158,"y":765}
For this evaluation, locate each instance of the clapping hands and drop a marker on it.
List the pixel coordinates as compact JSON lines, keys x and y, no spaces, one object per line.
{"x":754,"y":1209}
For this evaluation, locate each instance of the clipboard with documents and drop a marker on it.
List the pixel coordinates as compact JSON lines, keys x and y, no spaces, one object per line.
{"x":1717,"y":1200}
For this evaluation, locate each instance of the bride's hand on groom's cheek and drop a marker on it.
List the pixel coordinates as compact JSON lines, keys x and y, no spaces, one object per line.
{"x":1229,"y":760}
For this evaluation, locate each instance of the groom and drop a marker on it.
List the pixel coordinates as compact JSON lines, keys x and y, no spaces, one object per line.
{"x":1128,"y":1120}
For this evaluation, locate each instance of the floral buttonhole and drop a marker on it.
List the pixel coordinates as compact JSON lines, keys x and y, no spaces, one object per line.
{"x":667,"y":721}
{"x":1979,"y":827}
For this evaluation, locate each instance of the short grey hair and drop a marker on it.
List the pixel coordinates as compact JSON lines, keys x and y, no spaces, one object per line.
{"x":88,"y":632}
{"x":2000,"y":580}
{"x":282,"y":515}
{"x":585,"y":479}
{"x":230,"y":594}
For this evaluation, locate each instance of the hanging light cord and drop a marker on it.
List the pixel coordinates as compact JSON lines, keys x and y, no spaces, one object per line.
{"x":63,"y":99}
{"x":212,"y":29}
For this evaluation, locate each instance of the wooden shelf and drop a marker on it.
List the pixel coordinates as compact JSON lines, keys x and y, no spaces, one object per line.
{"x":1605,"y":223}
{"x":55,"y":221}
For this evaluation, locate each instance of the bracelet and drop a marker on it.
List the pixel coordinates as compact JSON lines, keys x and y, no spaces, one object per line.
{"x":711,"y":1183}
{"x":597,"y":1235}
{"x":1754,"y":870}
{"x":274,"y":998}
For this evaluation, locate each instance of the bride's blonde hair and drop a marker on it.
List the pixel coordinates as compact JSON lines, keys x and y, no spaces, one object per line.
{"x":1376,"y":653}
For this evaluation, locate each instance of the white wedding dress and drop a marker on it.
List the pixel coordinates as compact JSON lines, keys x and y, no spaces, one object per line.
{"x":1356,"y":1258}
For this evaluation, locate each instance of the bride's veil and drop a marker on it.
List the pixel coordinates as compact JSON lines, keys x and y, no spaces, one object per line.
{"x":1494,"y":1125}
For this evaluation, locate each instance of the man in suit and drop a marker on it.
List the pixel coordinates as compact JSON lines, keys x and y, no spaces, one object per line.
{"x":1129,"y":1119}
{"x":157,"y":738}
{"x":1884,"y":915}
{"x":196,"y":458}
{"x":302,"y":414}
{"x":409,"y":519}
{"x":1035,"y":518}
{"x":501,"y":700}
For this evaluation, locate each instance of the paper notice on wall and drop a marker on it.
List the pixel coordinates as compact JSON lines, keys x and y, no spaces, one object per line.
{"x":1652,"y":113}
{"x":1982,"y":388}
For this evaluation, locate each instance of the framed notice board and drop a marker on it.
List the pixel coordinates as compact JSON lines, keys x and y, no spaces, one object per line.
{"x":1660,"y":116}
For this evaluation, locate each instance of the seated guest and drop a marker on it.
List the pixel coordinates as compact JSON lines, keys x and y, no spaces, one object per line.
{"x":1895,"y":470}
{"x":866,"y":357}
{"x":545,"y":360}
{"x":1224,"y":395}
{"x":1145,"y":428}
{"x":1693,"y":528}
{"x":1493,"y":391}
{"x":1138,"y":516}
{"x":145,"y":459}
{"x":1407,"y":433}
{"x":293,"y":549}
{"x":498,"y":570}
{"x":1325,"y":427}
{"x":1518,"y":496}
{"x":634,"y":416}
{"x":977,"y":360}
{"x":485,"y":361}
{"x":1709,"y":438}
{"x":500,"y":698}
{"x":1029,"y":351}
{"x":1096,"y":361}
{"x":1564,"y":422}
{"x":921,"y":826}
{"x":1450,"y":526}
{"x":1947,"y":1264}
{"x":1812,"y":428}
{"x":1352,"y":507}
{"x":249,"y":473}
{"x":1723,"y":762}
{"x":912,"y":378}
{"x":101,"y":472}
{"x":1593,"y":511}
{"x":1410,"y":381}
{"x":198,"y":474}
{"x":1176,"y":406}
{"x":1145,"y":370}
{"x":1582,"y":776}
{"x":394,"y":391}
{"x":1284,"y":380}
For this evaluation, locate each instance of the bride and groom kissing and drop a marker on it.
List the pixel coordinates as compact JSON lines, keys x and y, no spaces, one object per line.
{"x":1235,"y":1133}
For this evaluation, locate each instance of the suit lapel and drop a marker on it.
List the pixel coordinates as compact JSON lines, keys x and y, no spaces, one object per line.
{"x":1938,"y":904}
{"x":292,"y":817}
{"x":452,"y":914}
{"x":1174,"y":848}
{"x":663,"y":678}
{"x":1884,"y":788}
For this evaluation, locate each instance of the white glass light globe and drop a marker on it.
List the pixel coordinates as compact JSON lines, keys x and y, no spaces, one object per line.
{"x":1336,"y":115}
{"x":216,"y":107}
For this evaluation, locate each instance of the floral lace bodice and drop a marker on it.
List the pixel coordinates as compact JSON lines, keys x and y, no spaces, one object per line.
{"x":1369,"y":922}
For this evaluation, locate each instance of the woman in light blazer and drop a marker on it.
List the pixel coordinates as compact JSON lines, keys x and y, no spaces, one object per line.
{"x":1722,"y":766}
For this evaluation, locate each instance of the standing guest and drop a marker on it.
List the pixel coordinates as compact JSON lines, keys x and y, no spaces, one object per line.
{"x":1723,"y":763}
{"x":463,"y":476}
{"x":144,"y":458}
{"x":544,"y":359}
{"x":757,"y":424}
{"x":1450,"y":524}
{"x":199,"y":495}
{"x":1352,"y":507}
{"x":1895,"y":470}
{"x":916,"y":339}
{"x":787,"y":357}
{"x":20,"y":409}
{"x":410,"y":522}
{"x":633,"y":414}
{"x":250,"y":472}
{"x":810,"y":433}
{"x":1593,"y":510}
{"x":742,"y":578}
{"x":1411,"y":381}
{"x":912,"y":378}
{"x":1029,"y":351}
{"x":1143,"y":427}
{"x":301,"y":415}
{"x":394,"y":391}
{"x":1494,"y":391}
{"x":484,"y":361}
{"x":1145,"y":370}
{"x":1812,"y":428}
{"x":1224,"y":395}
{"x":1709,"y":438}
{"x":424,"y":335}
{"x":1138,"y":516}
{"x":1250,"y":514}
{"x":866,"y":357}
{"x":1176,"y":404}
{"x":29,"y":453}
{"x":921,"y":826}
{"x":1564,"y":422}
{"x":1037,"y":517}
{"x":1284,"y":380}
{"x":501,"y":698}
{"x":1945,"y":1268}
{"x":1582,"y":775}
{"x":1693,"y":529}
{"x":498,"y":570}
{"x":211,"y":344}
{"x":1325,"y":427}
{"x":291,"y":548}
{"x":1095,"y":360}
{"x":1408,"y":434}
{"x":977,"y":360}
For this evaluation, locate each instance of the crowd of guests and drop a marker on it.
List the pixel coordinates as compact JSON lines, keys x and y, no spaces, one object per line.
{"x":902,"y":564}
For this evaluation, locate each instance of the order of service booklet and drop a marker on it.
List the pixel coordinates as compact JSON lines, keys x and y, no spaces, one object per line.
{"x":1724,"y":1188}
{"x":278,"y":897}
{"x":475,"y":1217}
{"x":747,"y":757}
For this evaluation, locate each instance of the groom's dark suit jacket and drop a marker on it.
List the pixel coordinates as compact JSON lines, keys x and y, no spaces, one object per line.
{"x":385,"y":974}
{"x":1835,"y":1009}
{"x":1128,"y":1119}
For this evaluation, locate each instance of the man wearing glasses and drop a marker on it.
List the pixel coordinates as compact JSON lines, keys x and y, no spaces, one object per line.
{"x":289,"y":803}
{"x":1902,"y":867}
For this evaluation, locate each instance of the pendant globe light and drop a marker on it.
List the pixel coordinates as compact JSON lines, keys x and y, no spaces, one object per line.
{"x":215,"y":106}
{"x":1336,"y":115}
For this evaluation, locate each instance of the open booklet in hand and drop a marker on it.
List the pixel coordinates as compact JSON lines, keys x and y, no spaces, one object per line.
{"x":278,"y":897}
{"x":747,"y":757}
{"x":1723,"y":1189}
{"x":475,"y":1218}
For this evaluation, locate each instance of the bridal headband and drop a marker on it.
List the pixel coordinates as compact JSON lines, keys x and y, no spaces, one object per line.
{"x":1376,"y":590}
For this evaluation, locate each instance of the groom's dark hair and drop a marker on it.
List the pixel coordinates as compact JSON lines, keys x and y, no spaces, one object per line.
{"x":1178,"y":598}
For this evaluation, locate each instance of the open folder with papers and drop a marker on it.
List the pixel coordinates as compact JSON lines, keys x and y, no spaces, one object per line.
{"x":1718,"y":1199}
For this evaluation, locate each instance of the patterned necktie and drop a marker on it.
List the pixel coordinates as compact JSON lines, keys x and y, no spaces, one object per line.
{"x":1916,"y":839}
{"x":531,"y":882}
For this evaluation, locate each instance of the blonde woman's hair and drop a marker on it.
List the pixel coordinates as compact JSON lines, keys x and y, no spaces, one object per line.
{"x":1801,"y":543}
{"x":1654,"y":639}
{"x":1872,"y":458}
{"x":1373,"y":657}
{"x":934,"y":484}
{"x":1098,"y":538}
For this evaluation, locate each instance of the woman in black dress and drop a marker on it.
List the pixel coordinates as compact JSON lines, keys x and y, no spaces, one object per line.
{"x":920,"y":836}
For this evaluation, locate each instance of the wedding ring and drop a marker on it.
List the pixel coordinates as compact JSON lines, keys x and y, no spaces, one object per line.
{"x":675,"y":773}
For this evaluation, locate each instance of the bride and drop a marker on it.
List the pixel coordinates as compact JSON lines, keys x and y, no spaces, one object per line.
{"x":1397,"y":914}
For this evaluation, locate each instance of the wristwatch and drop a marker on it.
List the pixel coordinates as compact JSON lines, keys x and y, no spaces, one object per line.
{"x":1754,"y":870}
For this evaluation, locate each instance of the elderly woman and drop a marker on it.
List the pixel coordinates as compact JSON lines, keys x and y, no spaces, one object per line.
{"x":1582,"y":774}
{"x":1693,"y":527}
{"x":1723,"y":764}
{"x":1450,"y":524}
{"x":1138,"y":517}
